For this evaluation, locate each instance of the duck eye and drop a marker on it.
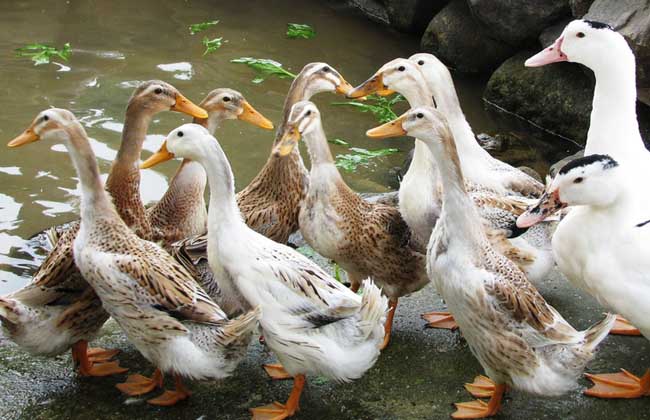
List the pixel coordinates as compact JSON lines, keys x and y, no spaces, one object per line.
{"x":158,"y":91}
{"x":580,"y":34}
{"x":421,"y":62}
{"x":45,"y":118}
{"x":326,"y":69}
{"x":180,"y":134}
{"x":226,"y":98}
{"x":578,"y":180}
{"x":420,"y":115}
{"x":308,"y":113}
{"x":401,"y":68}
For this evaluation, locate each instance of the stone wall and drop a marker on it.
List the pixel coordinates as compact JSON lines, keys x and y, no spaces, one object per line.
{"x":495,"y":36}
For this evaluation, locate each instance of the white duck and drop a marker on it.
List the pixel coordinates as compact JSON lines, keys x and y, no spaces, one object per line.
{"x":603,"y":247}
{"x":519,"y":339}
{"x":156,"y":302}
{"x":613,"y":127}
{"x":313,"y":323}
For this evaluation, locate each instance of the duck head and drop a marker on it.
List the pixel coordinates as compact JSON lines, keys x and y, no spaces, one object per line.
{"x":582,"y":41}
{"x":399,"y":75}
{"x":321,"y":77}
{"x":50,"y":124}
{"x":156,"y":96}
{"x":303,"y":119}
{"x":187,"y":141}
{"x":588,"y":181}
{"x":228,"y":104}
{"x":425,"y":123}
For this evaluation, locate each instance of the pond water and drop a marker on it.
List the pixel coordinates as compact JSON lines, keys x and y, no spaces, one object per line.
{"x":117,"y":43}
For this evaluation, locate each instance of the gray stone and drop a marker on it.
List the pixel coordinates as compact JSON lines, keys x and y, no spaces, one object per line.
{"x":373,"y":9}
{"x":515,"y":21}
{"x":632,"y":19}
{"x":579,"y":7}
{"x":455,"y":37}
{"x":412,"y":15}
{"x":553,"y":32}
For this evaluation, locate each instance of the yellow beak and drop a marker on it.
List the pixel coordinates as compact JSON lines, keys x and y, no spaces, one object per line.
{"x":250,"y":115}
{"x":390,"y":129}
{"x":186,"y":106}
{"x":344,"y":87}
{"x":373,"y":85}
{"x":27,"y":136}
{"x":288,"y":141}
{"x":162,"y":155}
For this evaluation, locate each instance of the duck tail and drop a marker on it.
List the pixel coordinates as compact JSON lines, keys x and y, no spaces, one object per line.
{"x":374,"y":307}
{"x":52,"y":236}
{"x":239,"y":329}
{"x":597,"y":332}
{"x":8,"y":310}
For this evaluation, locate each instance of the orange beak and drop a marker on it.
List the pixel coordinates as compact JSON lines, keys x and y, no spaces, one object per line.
{"x":373,"y":85}
{"x":390,"y":129}
{"x":288,"y":141}
{"x":162,"y":155}
{"x":188,"y":107}
{"x":344,"y":87}
{"x":27,"y":136}
{"x":250,"y":115}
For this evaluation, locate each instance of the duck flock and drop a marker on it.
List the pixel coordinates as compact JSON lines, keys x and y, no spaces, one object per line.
{"x":190,"y":288}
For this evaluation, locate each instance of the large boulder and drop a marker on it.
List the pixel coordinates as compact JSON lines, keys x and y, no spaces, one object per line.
{"x":373,"y":9}
{"x":516,"y":21}
{"x":556,"y":97}
{"x":412,"y":15}
{"x":579,"y":7}
{"x":632,"y":19}
{"x":455,"y":37}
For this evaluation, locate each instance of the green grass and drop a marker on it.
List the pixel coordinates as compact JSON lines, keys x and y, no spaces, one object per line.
{"x":379,"y":106}
{"x":299,"y":30}
{"x":211,"y":45}
{"x":195,"y":28}
{"x":264,"y":68}
{"x":43,"y":54}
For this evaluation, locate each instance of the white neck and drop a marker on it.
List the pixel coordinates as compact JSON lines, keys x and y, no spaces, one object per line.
{"x":422,"y":165}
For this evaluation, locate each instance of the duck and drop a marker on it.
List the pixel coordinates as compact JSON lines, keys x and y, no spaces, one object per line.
{"x":182,"y":212}
{"x":613,"y":271}
{"x":365,"y":239}
{"x":58,"y":310}
{"x":613,"y":127}
{"x":420,"y":190}
{"x":313,"y":324}
{"x":163,"y":312}
{"x":520,"y":340}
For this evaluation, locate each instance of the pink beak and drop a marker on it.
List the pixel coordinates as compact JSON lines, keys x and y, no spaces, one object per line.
{"x":552,"y":54}
{"x":549,"y":204}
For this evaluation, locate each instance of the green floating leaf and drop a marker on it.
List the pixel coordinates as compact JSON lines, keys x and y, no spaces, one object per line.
{"x":42,"y":54}
{"x":339,"y":142}
{"x":379,"y":106}
{"x":195,"y":28}
{"x":264,"y":68}
{"x":211,"y":45}
{"x":299,"y":30}
{"x":361,"y":157}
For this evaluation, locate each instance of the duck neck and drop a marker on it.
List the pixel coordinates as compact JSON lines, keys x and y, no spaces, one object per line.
{"x":614,"y":128}
{"x":95,"y":202}
{"x":323,"y":169}
{"x":123,"y":182}
{"x":422,"y":165}
{"x":223,"y":211}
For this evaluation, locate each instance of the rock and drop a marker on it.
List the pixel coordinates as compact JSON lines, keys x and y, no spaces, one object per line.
{"x":373,"y":9}
{"x":559,"y":164}
{"x":632,"y":19}
{"x":412,"y":15}
{"x":455,"y":37}
{"x":553,"y":32}
{"x":556,"y":97}
{"x":579,"y":7}
{"x":515,"y":21}
{"x":489,"y":143}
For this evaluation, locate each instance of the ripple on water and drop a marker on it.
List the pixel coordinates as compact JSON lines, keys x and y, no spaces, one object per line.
{"x":182,"y":70}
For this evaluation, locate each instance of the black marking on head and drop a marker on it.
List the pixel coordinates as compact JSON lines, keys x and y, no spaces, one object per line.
{"x":608,"y":162}
{"x":643,"y":223}
{"x":598,"y":25}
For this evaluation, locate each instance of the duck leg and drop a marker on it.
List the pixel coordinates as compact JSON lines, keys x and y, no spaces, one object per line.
{"x":624,"y":327}
{"x":619,"y":385}
{"x":90,"y":367}
{"x":139,"y":385}
{"x":169,"y":398}
{"x":388,"y":327}
{"x":482,"y":387}
{"x":276,"y":371}
{"x":480,"y":409}
{"x":442,"y":320}
{"x":98,"y":354}
{"x":279,"y":411}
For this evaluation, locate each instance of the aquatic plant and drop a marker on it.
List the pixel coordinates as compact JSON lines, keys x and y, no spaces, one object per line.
{"x":42,"y":54}
{"x":211,"y":45}
{"x":361,"y":157}
{"x":381,"y":107}
{"x":299,"y":30}
{"x":195,"y":28}
{"x":264,"y":68}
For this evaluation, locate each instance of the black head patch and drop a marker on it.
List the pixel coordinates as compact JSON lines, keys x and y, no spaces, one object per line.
{"x":608,"y":162}
{"x":598,"y":25}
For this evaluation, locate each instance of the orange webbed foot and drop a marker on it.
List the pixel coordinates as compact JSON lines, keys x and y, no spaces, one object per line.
{"x":169,"y":398}
{"x":102,"y":369}
{"x":480,"y":409}
{"x":624,"y":327}
{"x":275,"y":411}
{"x":442,"y":320}
{"x":276,"y":371}
{"x":136,"y":385}
{"x":98,"y":354}
{"x":482,"y":387}
{"x":619,"y":385}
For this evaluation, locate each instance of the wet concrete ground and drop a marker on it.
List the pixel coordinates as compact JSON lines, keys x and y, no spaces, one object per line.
{"x":418,"y":376}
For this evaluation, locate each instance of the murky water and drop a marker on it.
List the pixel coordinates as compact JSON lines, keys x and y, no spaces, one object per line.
{"x":117,"y":43}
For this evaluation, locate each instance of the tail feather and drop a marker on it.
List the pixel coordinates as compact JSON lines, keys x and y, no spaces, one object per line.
{"x":597,"y":332}
{"x":239,"y":329}
{"x":8,"y":310}
{"x":374,"y":307}
{"x":52,"y":235}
